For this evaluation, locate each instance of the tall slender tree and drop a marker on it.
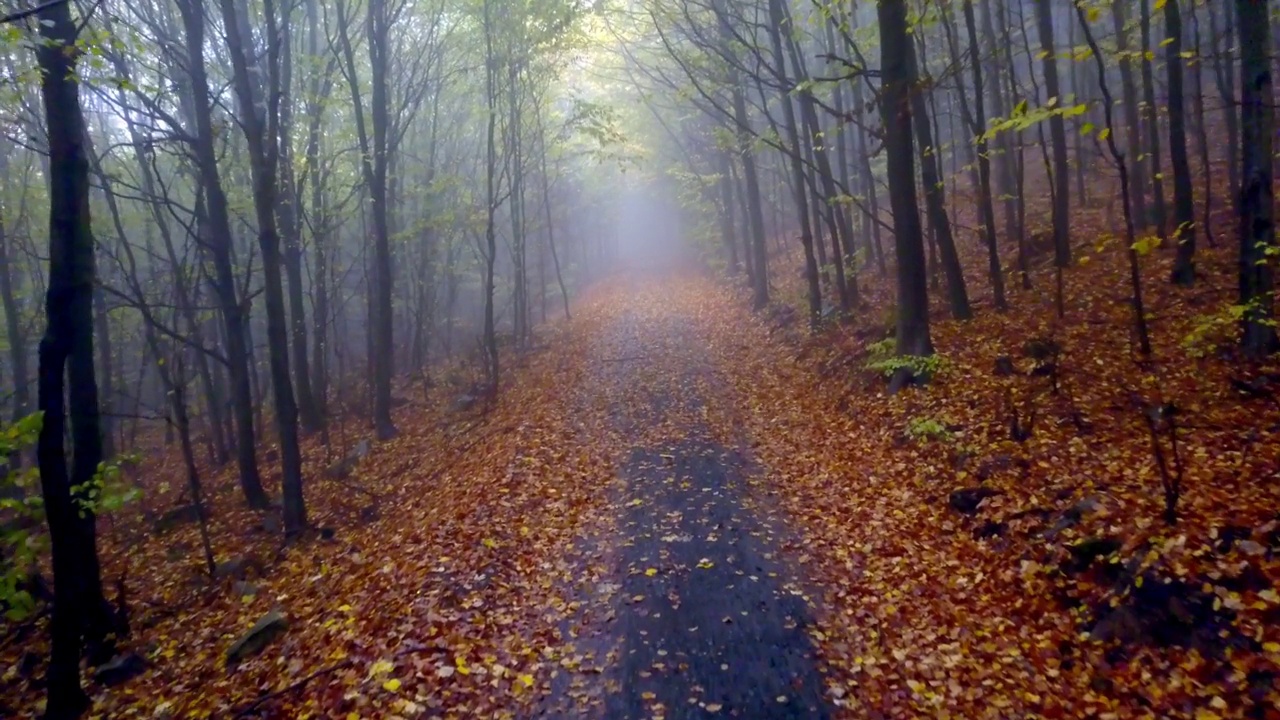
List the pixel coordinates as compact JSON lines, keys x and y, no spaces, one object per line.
{"x":67,"y":384}
{"x":1184,"y":211}
{"x":913,"y":338}
{"x":1257,"y":192}
{"x":1058,"y":135}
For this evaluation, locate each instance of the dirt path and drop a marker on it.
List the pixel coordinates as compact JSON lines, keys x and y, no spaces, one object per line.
{"x":703,"y":617}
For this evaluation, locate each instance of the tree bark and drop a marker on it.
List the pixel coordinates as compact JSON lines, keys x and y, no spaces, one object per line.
{"x":261,"y":132}
{"x":935,"y":195}
{"x":66,"y":366}
{"x":913,"y":294}
{"x":215,"y":229}
{"x":1058,"y":136}
{"x":1184,"y":211}
{"x":1156,"y":165}
{"x":290,"y":219}
{"x":1257,"y":194}
{"x":1133,"y":125}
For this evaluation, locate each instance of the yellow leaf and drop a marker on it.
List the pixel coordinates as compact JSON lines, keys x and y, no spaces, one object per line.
{"x":527,"y":680}
{"x":353,"y":716}
{"x":391,"y":685}
{"x":381,"y":667}
{"x":344,"y":608}
{"x":1104,"y":133}
{"x":705,"y":563}
{"x":489,"y":543}
{"x":651,"y":572}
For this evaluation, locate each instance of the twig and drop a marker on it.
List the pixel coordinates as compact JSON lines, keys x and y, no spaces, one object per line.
{"x":302,"y":682}
{"x":352,"y":486}
{"x":263,"y":699}
{"x":17,"y":15}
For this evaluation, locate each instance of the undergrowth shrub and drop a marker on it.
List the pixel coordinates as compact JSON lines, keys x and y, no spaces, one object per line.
{"x":881,"y":359}
{"x":22,"y":536}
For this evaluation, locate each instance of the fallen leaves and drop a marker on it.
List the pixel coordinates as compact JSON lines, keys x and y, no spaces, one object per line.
{"x":464,"y":598}
{"x":922,"y":615}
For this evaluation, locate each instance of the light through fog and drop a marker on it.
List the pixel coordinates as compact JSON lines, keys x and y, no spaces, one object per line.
{"x":648,"y":232}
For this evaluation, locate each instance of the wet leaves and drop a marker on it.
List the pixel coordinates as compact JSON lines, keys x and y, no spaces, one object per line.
{"x":924,"y":616}
{"x":488,"y":582}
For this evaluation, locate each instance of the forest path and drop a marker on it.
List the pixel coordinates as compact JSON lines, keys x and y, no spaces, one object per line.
{"x":702,"y":616}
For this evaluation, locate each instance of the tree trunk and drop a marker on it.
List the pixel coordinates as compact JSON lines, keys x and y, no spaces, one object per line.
{"x":373,"y":164}
{"x":1202,"y":129}
{"x":290,"y":219}
{"x":1133,"y":125}
{"x":913,"y":294}
{"x":1135,"y":279}
{"x":1184,"y":211}
{"x":1004,"y":145}
{"x":16,"y":336}
{"x":1257,"y":195}
{"x":66,"y":366}
{"x":986,"y":211}
{"x":1159,"y":217}
{"x":725,"y":184}
{"x":1019,"y":159}
{"x":1224,"y":66}
{"x":261,"y":135}
{"x":1058,"y":135}
{"x":217,"y":237}
{"x":934,"y":195}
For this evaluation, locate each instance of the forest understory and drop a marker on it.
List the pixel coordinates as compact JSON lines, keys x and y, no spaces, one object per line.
{"x":991,"y":544}
{"x":665,"y":359}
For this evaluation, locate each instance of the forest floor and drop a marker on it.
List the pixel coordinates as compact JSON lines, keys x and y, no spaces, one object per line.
{"x":678,"y":508}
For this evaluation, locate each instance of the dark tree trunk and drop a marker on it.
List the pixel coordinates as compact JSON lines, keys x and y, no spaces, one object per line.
{"x":1133,"y":125}
{"x":986,"y":210}
{"x":1058,"y":136}
{"x":216,"y":235}
{"x":373,"y":165}
{"x":1135,"y":279}
{"x":261,"y":134}
{"x":1155,"y":166}
{"x":290,"y":219}
{"x":380,"y":117}
{"x":792,"y":138}
{"x":66,"y":367}
{"x":934,"y":196}
{"x":1005,"y":184}
{"x":1184,"y":210}
{"x":1257,"y":195}
{"x":913,"y":294}
{"x":1019,"y":159}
